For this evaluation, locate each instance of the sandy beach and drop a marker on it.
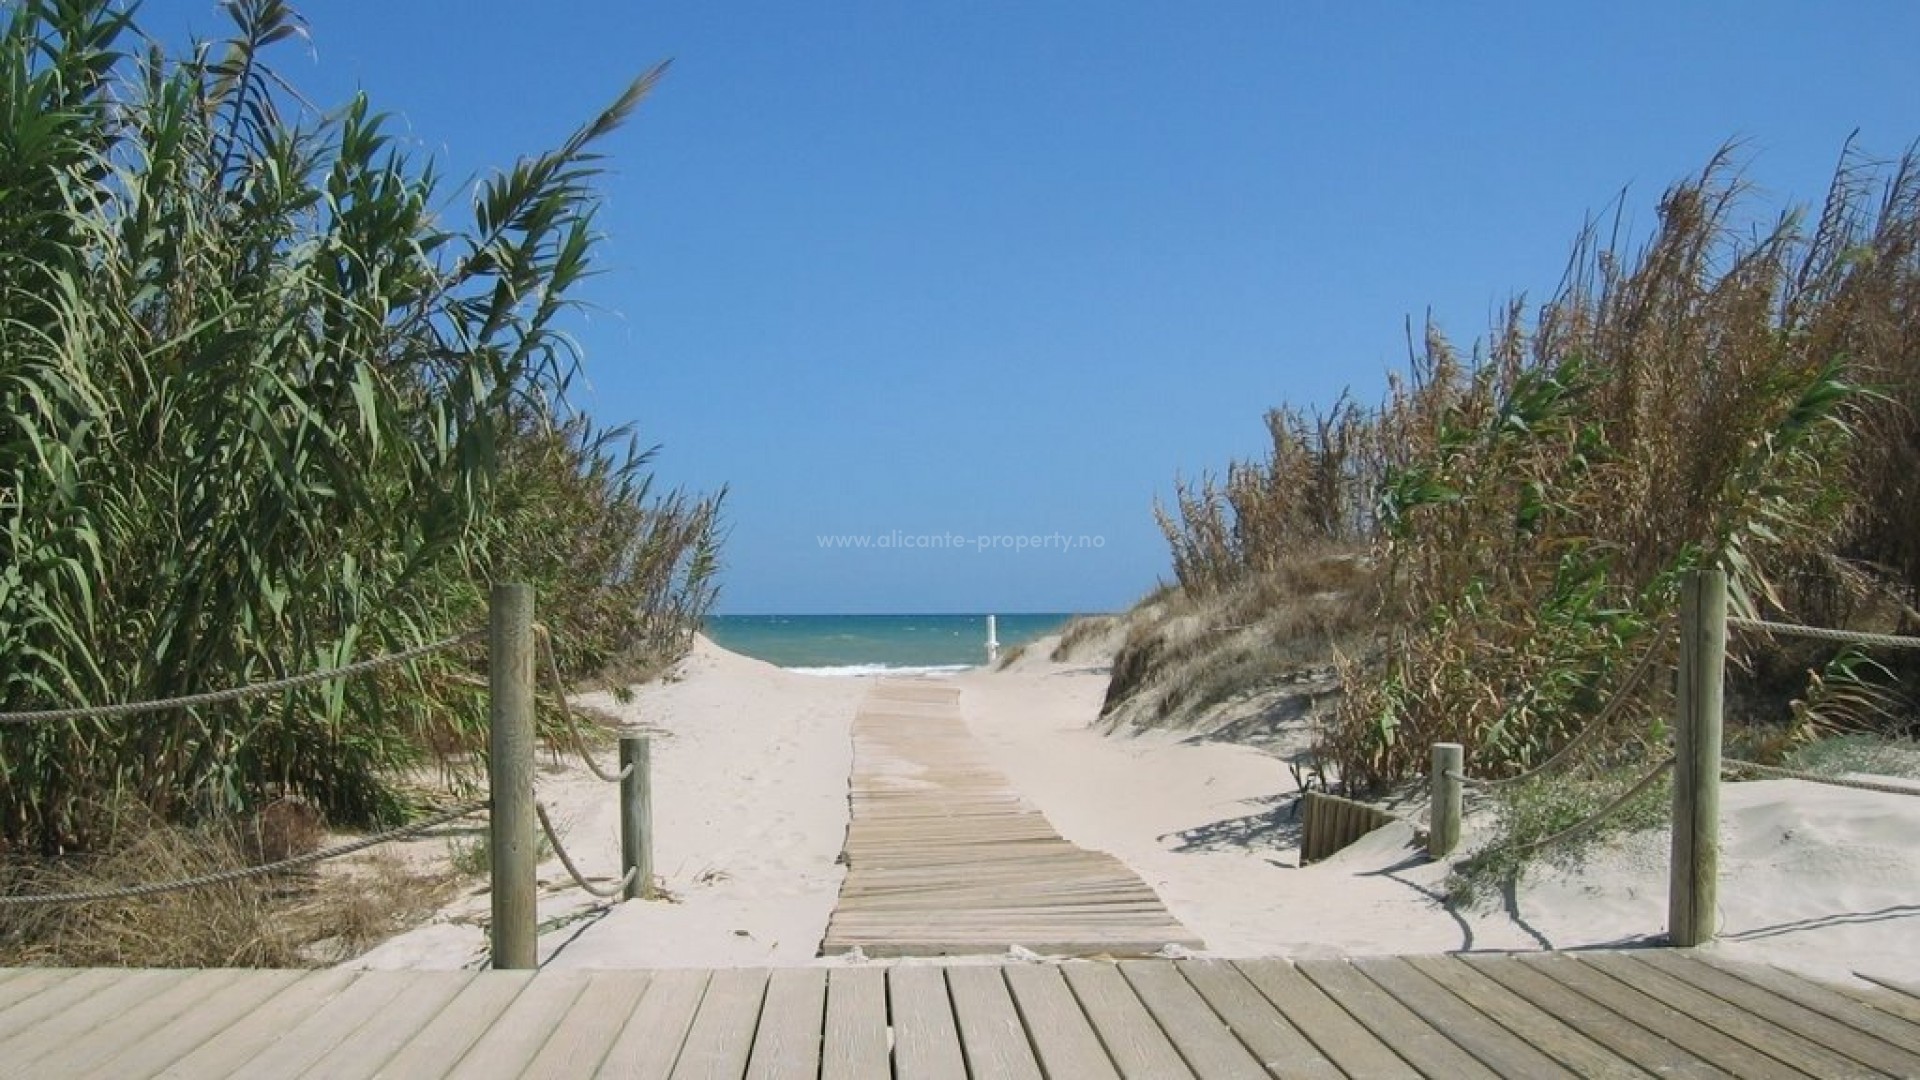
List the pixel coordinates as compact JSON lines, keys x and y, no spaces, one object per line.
{"x":750,"y":766}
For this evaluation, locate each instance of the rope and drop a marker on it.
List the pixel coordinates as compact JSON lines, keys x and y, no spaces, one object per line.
{"x":1603,"y":813}
{"x":223,"y":876}
{"x":566,"y":710}
{"x":1817,"y":778}
{"x":1856,"y":637}
{"x":215,"y":697}
{"x":1614,"y":705}
{"x":603,"y":892}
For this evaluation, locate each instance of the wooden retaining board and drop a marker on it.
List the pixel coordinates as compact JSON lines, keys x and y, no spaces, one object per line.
{"x":944,"y":857}
{"x":1626,"y":1014}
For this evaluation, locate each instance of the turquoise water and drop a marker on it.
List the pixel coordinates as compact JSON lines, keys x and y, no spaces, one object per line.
{"x":870,"y":644}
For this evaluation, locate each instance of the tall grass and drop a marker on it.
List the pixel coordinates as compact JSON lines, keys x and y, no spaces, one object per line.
{"x":265,"y":406}
{"x":1721,"y":393}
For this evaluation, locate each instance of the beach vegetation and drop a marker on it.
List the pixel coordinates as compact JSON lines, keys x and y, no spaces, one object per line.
{"x":275,"y":398}
{"x":1514,"y":521}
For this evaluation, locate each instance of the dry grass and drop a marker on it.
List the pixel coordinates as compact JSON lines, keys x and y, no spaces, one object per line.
{"x":299,"y":919}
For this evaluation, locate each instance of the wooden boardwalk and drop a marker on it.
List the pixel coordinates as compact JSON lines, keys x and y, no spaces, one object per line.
{"x":1635,"y":1014}
{"x":944,"y":857}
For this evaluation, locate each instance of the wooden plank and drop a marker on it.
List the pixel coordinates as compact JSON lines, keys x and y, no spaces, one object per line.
{"x":1726,"y":1053}
{"x":23,"y":983}
{"x":992,"y":1037}
{"x":195,"y":1024}
{"x":1616,"y":1033}
{"x":855,"y":1044}
{"x":383,"y":1036}
{"x":584,"y":1035}
{"x":1064,"y":1040}
{"x":788,"y":1044}
{"x":517,"y":1035}
{"x":306,"y":1041}
{"x":1828,"y":1001}
{"x":723,"y":1030}
{"x":1339,"y":1036}
{"x":437,"y":1048}
{"x":220,"y":1050}
{"x":222,"y":993}
{"x":1133,"y":1040}
{"x":926,"y":1036}
{"x":1488,"y":1042}
{"x":1784,"y":1013}
{"x":55,"y":999}
{"x":1279,"y":1046}
{"x":1780,"y":1044}
{"x":1393,"y":1023}
{"x":1203,"y":1039}
{"x":650,"y":1044}
{"x":1904,"y":988}
{"x":1536,"y":1027}
{"x":100,"y":1015}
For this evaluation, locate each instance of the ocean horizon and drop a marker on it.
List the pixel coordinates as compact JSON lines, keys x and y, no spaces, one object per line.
{"x":856,"y":645}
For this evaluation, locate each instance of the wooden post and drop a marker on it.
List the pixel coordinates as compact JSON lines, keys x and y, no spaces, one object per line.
{"x":515,"y":849}
{"x":993,"y":639}
{"x":636,"y":815}
{"x":1695,"y":867}
{"x":1443,"y":828}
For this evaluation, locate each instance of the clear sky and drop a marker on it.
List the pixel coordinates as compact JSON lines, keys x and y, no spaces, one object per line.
{"x":953,"y":269}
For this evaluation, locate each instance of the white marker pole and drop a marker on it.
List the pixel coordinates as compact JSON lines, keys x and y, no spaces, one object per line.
{"x":993,"y":640}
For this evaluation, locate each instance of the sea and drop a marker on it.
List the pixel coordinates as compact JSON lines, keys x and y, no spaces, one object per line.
{"x":855,"y":645}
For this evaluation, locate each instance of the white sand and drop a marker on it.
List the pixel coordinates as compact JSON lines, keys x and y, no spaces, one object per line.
{"x":750,"y":810}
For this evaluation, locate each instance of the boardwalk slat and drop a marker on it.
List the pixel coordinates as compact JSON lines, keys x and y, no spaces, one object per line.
{"x":1488,"y":1042}
{"x":582,"y":1037}
{"x":1399,"y":1027}
{"x":219,"y":1049}
{"x":1537,"y":1028}
{"x":222,"y":993}
{"x":517,"y":1035}
{"x":1828,"y":1001}
{"x":1727,"y":1053}
{"x":926,"y":1042}
{"x":437,"y":1047}
{"x":1780,"y":1044}
{"x":992,"y":1037}
{"x":1786,"y":1014}
{"x":377,"y":1041}
{"x":1063,"y":1037}
{"x":1339,"y":1036}
{"x":309,"y":1039}
{"x":722,"y":1034}
{"x":1135,"y":1042}
{"x":788,"y":1046}
{"x":1203,"y":1039}
{"x":1273,"y":1041}
{"x":56,"y":999}
{"x":944,"y":857}
{"x":1617,"y":1033}
{"x":20,"y":1053}
{"x":194,"y":1025}
{"x":650,"y":1044}
{"x":854,"y":1046}
{"x":23,"y":983}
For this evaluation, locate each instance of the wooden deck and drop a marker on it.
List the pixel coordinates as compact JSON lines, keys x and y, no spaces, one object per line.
{"x":944,"y":857}
{"x":1633,"y":1014}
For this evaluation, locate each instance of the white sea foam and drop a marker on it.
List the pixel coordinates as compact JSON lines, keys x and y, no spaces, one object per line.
{"x":875,"y":671}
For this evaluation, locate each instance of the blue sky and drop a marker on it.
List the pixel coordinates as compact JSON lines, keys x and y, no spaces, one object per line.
{"x":971,"y":269}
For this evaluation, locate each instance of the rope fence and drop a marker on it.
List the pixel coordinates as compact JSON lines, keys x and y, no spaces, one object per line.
{"x":1782,"y":773}
{"x":545,"y":637}
{"x":222,"y":877}
{"x":216,"y":697}
{"x":604,"y":892}
{"x":1821,"y":633}
{"x":511,"y":685}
